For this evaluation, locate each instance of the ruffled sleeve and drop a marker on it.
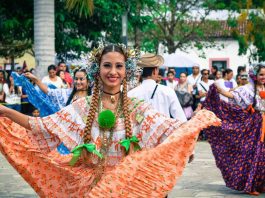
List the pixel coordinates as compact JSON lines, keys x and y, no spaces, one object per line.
{"x":64,"y":126}
{"x":59,"y":97}
{"x":153,"y":127}
{"x":243,"y":96}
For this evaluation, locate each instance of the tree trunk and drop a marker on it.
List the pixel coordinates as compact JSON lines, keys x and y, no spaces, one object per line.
{"x":44,"y":35}
{"x":171,"y":46}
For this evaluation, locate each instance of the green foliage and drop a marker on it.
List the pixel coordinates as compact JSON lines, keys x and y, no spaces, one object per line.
{"x":80,"y":7}
{"x":16,"y":27}
{"x":254,"y":34}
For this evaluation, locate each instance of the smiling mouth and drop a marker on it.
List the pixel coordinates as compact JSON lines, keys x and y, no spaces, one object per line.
{"x":112,"y":79}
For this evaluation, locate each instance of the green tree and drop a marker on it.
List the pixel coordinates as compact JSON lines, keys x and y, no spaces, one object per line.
{"x":16,"y":28}
{"x":253,"y":18}
{"x":172,"y":22}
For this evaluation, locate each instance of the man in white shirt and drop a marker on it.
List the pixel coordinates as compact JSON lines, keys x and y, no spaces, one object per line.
{"x":163,"y":98}
{"x":194,"y":78}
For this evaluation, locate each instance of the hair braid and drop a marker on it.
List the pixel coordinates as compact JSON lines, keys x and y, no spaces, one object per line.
{"x":127,"y":120}
{"x":92,"y":112}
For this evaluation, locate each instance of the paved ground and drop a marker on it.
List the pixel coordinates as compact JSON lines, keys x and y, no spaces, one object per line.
{"x":201,"y":179}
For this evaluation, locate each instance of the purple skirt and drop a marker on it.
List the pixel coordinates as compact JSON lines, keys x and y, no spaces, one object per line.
{"x":236,"y":145}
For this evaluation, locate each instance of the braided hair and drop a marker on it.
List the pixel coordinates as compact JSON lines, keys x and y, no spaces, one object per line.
{"x":95,"y":99}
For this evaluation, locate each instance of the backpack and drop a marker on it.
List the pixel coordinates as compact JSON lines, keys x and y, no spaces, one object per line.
{"x":185,"y":98}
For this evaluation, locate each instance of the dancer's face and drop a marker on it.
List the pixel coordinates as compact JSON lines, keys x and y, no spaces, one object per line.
{"x":261,"y":76}
{"x":112,"y":70}
{"x":80,"y":81}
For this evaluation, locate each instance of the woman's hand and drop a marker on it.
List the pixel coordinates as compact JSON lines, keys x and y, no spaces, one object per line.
{"x":31,"y":76}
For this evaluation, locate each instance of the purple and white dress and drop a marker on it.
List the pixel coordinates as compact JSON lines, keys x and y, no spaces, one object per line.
{"x":236,"y":145}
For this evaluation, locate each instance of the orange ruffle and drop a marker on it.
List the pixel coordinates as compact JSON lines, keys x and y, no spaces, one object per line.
{"x":148,"y":173}
{"x":154,"y":172}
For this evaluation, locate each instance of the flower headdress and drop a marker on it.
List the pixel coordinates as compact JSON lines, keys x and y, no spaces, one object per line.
{"x":132,"y":55}
{"x":253,"y":71}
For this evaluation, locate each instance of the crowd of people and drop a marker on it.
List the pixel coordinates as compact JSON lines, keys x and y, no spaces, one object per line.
{"x":98,"y":136}
{"x":16,"y":96}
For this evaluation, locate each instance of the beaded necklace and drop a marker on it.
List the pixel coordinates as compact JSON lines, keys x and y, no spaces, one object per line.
{"x":106,"y":143}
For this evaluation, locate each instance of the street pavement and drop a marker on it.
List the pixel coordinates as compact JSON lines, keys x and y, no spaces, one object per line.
{"x":201,"y":179}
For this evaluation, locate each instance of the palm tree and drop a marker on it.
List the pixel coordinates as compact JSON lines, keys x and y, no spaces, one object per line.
{"x":44,"y":29}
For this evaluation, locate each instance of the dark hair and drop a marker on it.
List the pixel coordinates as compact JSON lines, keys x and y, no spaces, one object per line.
{"x":4,"y":74}
{"x":161,"y":72}
{"x":227,"y":71}
{"x":255,"y":85}
{"x":240,"y":68}
{"x":58,"y":74}
{"x":204,"y":70}
{"x":51,"y":67}
{"x":183,"y":73}
{"x":31,"y":70}
{"x":111,"y":48}
{"x":62,"y":62}
{"x":147,"y":71}
{"x":74,"y":89}
{"x":216,"y":69}
{"x":9,"y":83}
{"x":170,"y":72}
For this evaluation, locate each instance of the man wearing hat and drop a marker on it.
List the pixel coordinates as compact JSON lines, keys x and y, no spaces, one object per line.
{"x":244,"y":78}
{"x":163,"y":98}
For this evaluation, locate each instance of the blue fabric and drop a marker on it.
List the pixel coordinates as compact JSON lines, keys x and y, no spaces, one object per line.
{"x":41,"y":101}
{"x":16,"y":107}
{"x":35,"y":96}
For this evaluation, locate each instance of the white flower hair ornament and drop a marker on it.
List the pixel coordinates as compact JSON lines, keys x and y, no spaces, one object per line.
{"x":253,"y":71}
{"x":132,"y":55}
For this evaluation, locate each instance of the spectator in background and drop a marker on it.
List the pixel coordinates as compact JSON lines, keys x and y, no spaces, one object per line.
{"x":12,"y":94}
{"x":193,"y":80}
{"x":160,"y":79}
{"x":36,"y":112}
{"x":2,"y":82}
{"x":238,"y":79}
{"x":171,"y":82}
{"x":61,"y":74}
{"x":241,"y":69}
{"x":214,"y":70}
{"x":52,"y":78}
{"x":227,"y":83}
{"x":204,"y":84}
{"x":162,"y":98}
{"x":244,"y":78}
{"x":219,"y":75}
{"x":68,"y":77}
{"x":184,"y":86}
{"x":19,"y":70}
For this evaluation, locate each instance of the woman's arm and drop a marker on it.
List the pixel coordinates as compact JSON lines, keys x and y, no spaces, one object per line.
{"x":225,"y":93}
{"x":15,"y":116}
{"x":37,"y":81}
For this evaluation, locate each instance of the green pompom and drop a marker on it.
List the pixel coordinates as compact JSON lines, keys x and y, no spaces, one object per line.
{"x":106,"y":119}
